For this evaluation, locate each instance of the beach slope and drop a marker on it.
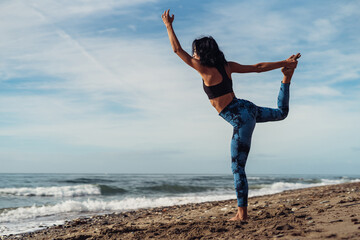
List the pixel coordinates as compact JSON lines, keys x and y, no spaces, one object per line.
{"x":327,"y":212}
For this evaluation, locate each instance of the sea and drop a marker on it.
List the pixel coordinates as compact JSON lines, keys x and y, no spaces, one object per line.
{"x":30,"y":202}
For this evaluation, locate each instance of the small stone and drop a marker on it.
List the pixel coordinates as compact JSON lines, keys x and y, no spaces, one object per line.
{"x":282,"y":213}
{"x":294,"y":209}
{"x":308,"y":218}
{"x":331,"y":236}
{"x":334,"y":221}
{"x":311,"y":221}
{"x":350,"y":199}
{"x":325,"y":201}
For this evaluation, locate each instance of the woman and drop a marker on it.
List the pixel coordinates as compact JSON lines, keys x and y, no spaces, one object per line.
{"x":216,"y":72}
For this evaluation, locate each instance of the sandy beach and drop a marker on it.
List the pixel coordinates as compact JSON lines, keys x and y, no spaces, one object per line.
{"x":327,"y":212}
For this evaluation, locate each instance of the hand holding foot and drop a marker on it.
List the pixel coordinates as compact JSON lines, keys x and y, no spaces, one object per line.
{"x":289,"y":71}
{"x":291,"y":62}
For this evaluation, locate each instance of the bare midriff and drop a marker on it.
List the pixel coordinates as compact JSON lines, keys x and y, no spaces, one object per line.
{"x":221,"y":102}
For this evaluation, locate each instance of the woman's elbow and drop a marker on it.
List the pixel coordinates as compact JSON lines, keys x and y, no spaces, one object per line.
{"x":177,"y":50}
{"x":258,"y":68}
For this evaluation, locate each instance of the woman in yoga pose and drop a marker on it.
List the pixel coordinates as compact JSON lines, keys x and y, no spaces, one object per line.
{"x":216,"y":72}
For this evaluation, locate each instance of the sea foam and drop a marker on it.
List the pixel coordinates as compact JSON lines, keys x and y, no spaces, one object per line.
{"x":100,"y":206}
{"x":63,"y":191}
{"x":278,"y":187}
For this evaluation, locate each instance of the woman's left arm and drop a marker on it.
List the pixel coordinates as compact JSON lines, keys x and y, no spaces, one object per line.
{"x":291,"y":62}
{"x":175,"y":44}
{"x":260,"y":67}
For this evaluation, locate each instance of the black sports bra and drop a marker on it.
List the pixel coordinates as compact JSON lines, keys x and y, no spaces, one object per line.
{"x":218,"y":90}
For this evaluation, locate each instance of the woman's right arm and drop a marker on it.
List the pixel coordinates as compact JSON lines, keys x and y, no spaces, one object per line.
{"x":175,"y":44}
{"x":264,"y":66}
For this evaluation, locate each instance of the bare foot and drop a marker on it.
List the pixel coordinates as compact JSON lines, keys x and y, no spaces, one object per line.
{"x":241,"y":215}
{"x":288,"y":72}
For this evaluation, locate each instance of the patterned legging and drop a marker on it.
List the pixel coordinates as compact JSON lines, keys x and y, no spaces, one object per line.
{"x":243,"y":115}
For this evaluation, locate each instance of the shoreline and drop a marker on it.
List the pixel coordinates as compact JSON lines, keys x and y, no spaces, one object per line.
{"x":331,"y":211}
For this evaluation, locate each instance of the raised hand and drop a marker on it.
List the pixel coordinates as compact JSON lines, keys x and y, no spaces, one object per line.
{"x":167,"y":19}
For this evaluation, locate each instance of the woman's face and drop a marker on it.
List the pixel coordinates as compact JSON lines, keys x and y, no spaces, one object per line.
{"x":195,"y":55}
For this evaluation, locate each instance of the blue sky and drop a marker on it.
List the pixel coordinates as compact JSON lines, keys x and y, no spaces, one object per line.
{"x":93,"y":86}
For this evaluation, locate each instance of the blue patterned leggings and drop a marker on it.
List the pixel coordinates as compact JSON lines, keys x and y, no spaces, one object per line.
{"x":243,"y":115}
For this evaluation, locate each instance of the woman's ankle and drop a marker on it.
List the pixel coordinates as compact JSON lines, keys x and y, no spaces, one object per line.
{"x":287,"y":78}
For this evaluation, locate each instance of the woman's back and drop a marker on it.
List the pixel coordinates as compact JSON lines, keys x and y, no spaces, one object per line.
{"x":213,"y":76}
{"x":217,"y":84}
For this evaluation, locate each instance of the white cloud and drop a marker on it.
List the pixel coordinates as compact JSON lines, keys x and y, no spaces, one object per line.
{"x":317,"y":91}
{"x":322,"y":30}
{"x":122,"y":94}
{"x":60,"y":10}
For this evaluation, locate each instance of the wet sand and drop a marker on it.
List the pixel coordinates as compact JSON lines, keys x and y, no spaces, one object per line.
{"x":328,"y":212}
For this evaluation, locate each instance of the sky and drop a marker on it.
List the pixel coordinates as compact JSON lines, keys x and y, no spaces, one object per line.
{"x":94,"y":86}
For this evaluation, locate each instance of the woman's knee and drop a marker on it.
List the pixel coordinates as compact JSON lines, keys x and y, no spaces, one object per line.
{"x":284,"y":112}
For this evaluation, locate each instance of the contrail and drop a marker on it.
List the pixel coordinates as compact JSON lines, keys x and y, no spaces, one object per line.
{"x":74,"y":42}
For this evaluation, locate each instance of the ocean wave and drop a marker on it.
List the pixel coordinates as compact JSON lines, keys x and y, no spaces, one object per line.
{"x":12,"y":218}
{"x":283,"y":186}
{"x":176,"y":188}
{"x":87,"y":180}
{"x":62,"y":191}
{"x":111,"y":190}
{"x":337,"y":181}
{"x":100,"y":206}
{"x":129,"y":203}
{"x":211,"y":178}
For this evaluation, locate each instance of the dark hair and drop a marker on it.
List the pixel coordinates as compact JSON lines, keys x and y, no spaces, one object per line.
{"x":208,"y":51}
